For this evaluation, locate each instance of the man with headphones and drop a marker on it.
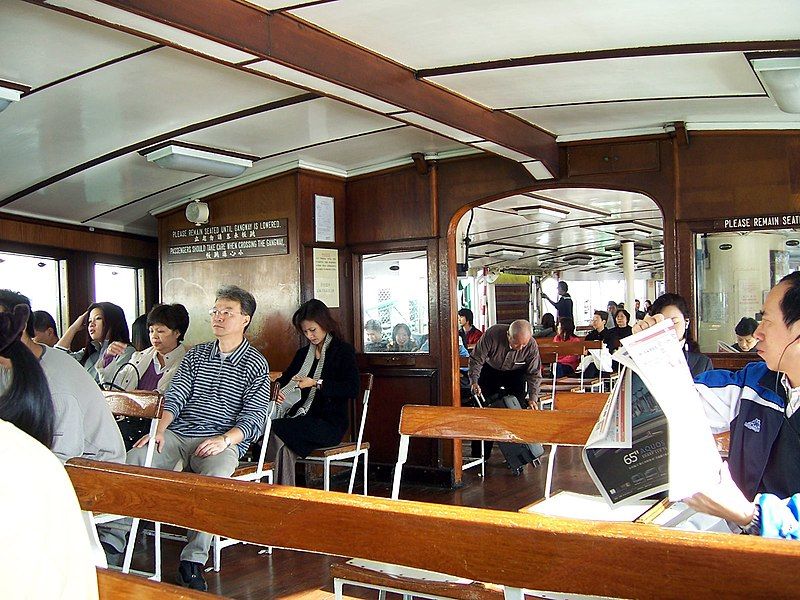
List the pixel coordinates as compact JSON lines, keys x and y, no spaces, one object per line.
{"x":759,"y":406}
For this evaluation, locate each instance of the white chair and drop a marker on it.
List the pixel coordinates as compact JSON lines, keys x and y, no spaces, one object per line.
{"x":148,"y":405}
{"x":250,"y":471}
{"x":341,"y":454}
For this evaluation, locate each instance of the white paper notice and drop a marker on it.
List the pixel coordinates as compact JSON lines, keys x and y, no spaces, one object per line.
{"x":324,"y":226}
{"x":326,"y":276}
{"x":694,"y":461}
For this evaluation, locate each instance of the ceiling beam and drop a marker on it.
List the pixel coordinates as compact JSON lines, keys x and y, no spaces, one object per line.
{"x":291,"y":42}
{"x":548,"y":59}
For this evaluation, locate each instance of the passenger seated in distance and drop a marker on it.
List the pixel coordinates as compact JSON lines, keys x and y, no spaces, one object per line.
{"x":567,"y":363}
{"x":44,"y":328}
{"x":402,"y":340}
{"x":546,"y":327}
{"x":673,"y":306}
{"x":373,"y":337}
{"x":468,"y":333}
{"x":745,"y":342}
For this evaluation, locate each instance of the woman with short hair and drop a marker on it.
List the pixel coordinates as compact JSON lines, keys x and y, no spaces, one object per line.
{"x":567,"y":363}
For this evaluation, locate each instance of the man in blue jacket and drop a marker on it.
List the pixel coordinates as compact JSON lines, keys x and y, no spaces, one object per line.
{"x":758,"y":404}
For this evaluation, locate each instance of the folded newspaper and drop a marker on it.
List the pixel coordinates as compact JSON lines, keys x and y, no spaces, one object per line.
{"x":652,"y":435}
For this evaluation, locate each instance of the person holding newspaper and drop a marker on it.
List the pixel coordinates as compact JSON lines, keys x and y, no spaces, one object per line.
{"x":759,"y":487}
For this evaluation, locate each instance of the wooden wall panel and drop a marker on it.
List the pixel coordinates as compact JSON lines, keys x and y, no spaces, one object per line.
{"x":737,"y":175}
{"x":393,"y":205}
{"x":273,"y":280}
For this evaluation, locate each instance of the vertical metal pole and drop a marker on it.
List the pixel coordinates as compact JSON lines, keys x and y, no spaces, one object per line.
{"x":627,"y":269}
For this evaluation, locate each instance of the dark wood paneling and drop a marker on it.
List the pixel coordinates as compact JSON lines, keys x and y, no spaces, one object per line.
{"x":512,"y":301}
{"x":393,"y":389}
{"x":310,"y":184}
{"x":394,"y":205}
{"x":613,"y":158}
{"x":273,"y":280}
{"x":739,"y":175}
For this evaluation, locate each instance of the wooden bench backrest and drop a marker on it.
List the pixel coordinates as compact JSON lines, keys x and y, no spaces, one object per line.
{"x":113,"y":585}
{"x":567,"y":348}
{"x":732,"y":361}
{"x":609,"y":559}
{"x":148,"y":405}
{"x":586,"y":401}
{"x":497,"y":424}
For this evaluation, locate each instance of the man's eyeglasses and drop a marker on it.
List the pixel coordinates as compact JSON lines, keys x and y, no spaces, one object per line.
{"x":222,"y":314}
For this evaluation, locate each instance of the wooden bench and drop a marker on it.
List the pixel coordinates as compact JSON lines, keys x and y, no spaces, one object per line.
{"x":112,"y":585}
{"x":609,"y":559}
{"x":732,"y":361}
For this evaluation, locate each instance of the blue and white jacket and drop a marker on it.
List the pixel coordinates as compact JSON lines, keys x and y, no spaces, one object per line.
{"x":751,"y":404}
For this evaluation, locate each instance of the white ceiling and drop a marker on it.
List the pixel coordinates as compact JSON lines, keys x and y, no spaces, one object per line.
{"x":100,"y":94}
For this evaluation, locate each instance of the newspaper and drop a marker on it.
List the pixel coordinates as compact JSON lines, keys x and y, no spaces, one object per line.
{"x":652,"y":436}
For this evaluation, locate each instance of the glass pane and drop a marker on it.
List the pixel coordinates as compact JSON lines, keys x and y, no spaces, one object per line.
{"x":733,"y":273}
{"x":394,"y":297}
{"x":35,"y":277}
{"x":117,"y":284}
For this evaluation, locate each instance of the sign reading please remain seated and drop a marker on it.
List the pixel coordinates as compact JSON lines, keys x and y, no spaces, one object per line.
{"x":225,"y":242}
{"x":757,"y":222}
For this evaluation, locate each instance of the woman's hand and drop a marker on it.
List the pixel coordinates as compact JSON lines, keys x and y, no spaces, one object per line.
{"x":281,"y":398}
{"x":79,"y":323}
{"x":304,"y":382}
{"x":648,"y":321}
{"x":116,"y":348}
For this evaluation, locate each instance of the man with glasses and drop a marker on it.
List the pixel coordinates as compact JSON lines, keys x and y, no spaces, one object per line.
{"x":215,"y":407}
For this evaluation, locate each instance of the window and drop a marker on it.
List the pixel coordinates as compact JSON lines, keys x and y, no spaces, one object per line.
{"x":36,"y":277}
{"x":120,"y":285}
{"x":733,"y":274}
{"x":394,"y":300}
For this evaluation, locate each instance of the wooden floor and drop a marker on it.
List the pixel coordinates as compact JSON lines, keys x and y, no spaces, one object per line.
{"x":246,"y":574}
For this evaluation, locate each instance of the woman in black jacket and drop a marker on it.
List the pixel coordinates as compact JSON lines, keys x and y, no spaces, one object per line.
{"x":673,"y":306}
{"x":322,"y":379}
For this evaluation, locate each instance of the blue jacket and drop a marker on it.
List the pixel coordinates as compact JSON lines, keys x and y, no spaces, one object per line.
{"x":751,"y":404}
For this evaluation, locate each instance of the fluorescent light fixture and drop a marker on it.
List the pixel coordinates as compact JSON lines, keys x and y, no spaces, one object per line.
{"x":781,"y":78}
{"x":506,"y":253}
{"x":634,"y":233}
{"x":538,"y":170}
{"x":577,"y":259}
{"x":544,"y":214}
{"x":193,"y":160}
{"x":7,"y":96}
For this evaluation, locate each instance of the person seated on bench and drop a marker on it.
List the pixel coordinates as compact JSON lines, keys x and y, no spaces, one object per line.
{"x":84,"y":425}
{"x":745,"y":328}
{"x":213,"y":410}
{"x":599,"y":333}
{"x":673,"y":306}
{"x":44,"y":328}
{"x":506,"y":361}
{"x":546,"y":327}
{"x":373,"y":337}
{"x":322,"y":380}
{"x":47,"y":550}
{"x":105,"y":323}
{"x":566,"y":364}
{"x":758,"y":405}
{"x":152,"y":368}
{"x":467,"y":332}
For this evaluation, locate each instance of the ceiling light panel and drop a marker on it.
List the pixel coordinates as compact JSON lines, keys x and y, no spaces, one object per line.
{"x":158,"y":30}
{"x":200,"y":161}
{"x":781,"y":78}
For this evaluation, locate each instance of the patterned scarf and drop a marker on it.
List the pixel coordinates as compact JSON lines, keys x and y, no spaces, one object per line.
{"x":305,"y":370}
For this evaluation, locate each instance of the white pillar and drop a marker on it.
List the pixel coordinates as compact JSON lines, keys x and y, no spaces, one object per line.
{"x":627,"y":269}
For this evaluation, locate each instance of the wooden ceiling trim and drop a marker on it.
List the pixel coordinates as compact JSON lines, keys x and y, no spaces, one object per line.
{"x":547,"y":59}
{"x":296,"y":44}
{"x":155,"y":140}
{"x":97,"y":67}
{"x":622,"y":101}
{"x":13,"y":85}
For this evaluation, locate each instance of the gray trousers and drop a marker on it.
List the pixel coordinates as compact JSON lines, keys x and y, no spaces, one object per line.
{"x":284,"y":459}
{"x":177,"y":448}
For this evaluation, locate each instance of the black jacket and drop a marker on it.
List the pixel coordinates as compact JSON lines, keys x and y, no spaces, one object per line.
{"x":329,"y":415}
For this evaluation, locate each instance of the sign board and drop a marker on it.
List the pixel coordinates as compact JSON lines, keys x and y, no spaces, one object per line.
{"x":224,"y":242}
{"x":757,"y":222}
{"x":326,"y":276}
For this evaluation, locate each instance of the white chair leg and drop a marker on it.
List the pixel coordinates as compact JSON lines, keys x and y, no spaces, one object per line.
{"x":98,"y":553}
{"x":353,"y":473}
{"x":217,"y":553}
{"x":338,"y":584}
{"x":511,"y":593}
{"x":157,"y":570}
{"x":327,"y":475}
{"x":381,"y":594}
{"x":366,"y":466}
{"x":126,"y":564}
{"x":483,"y":459}
{"x":551,"y":461}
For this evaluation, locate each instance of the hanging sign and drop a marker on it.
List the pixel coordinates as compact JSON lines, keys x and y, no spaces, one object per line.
{"x":224,"y":242}
{"x":759,"y":222}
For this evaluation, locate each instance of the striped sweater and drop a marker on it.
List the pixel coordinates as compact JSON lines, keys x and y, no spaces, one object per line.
{"x":209,"y":395}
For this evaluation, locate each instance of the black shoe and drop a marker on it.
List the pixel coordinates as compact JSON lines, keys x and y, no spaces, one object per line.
{"x":113,"y":556}
{"x":190,"y":575}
